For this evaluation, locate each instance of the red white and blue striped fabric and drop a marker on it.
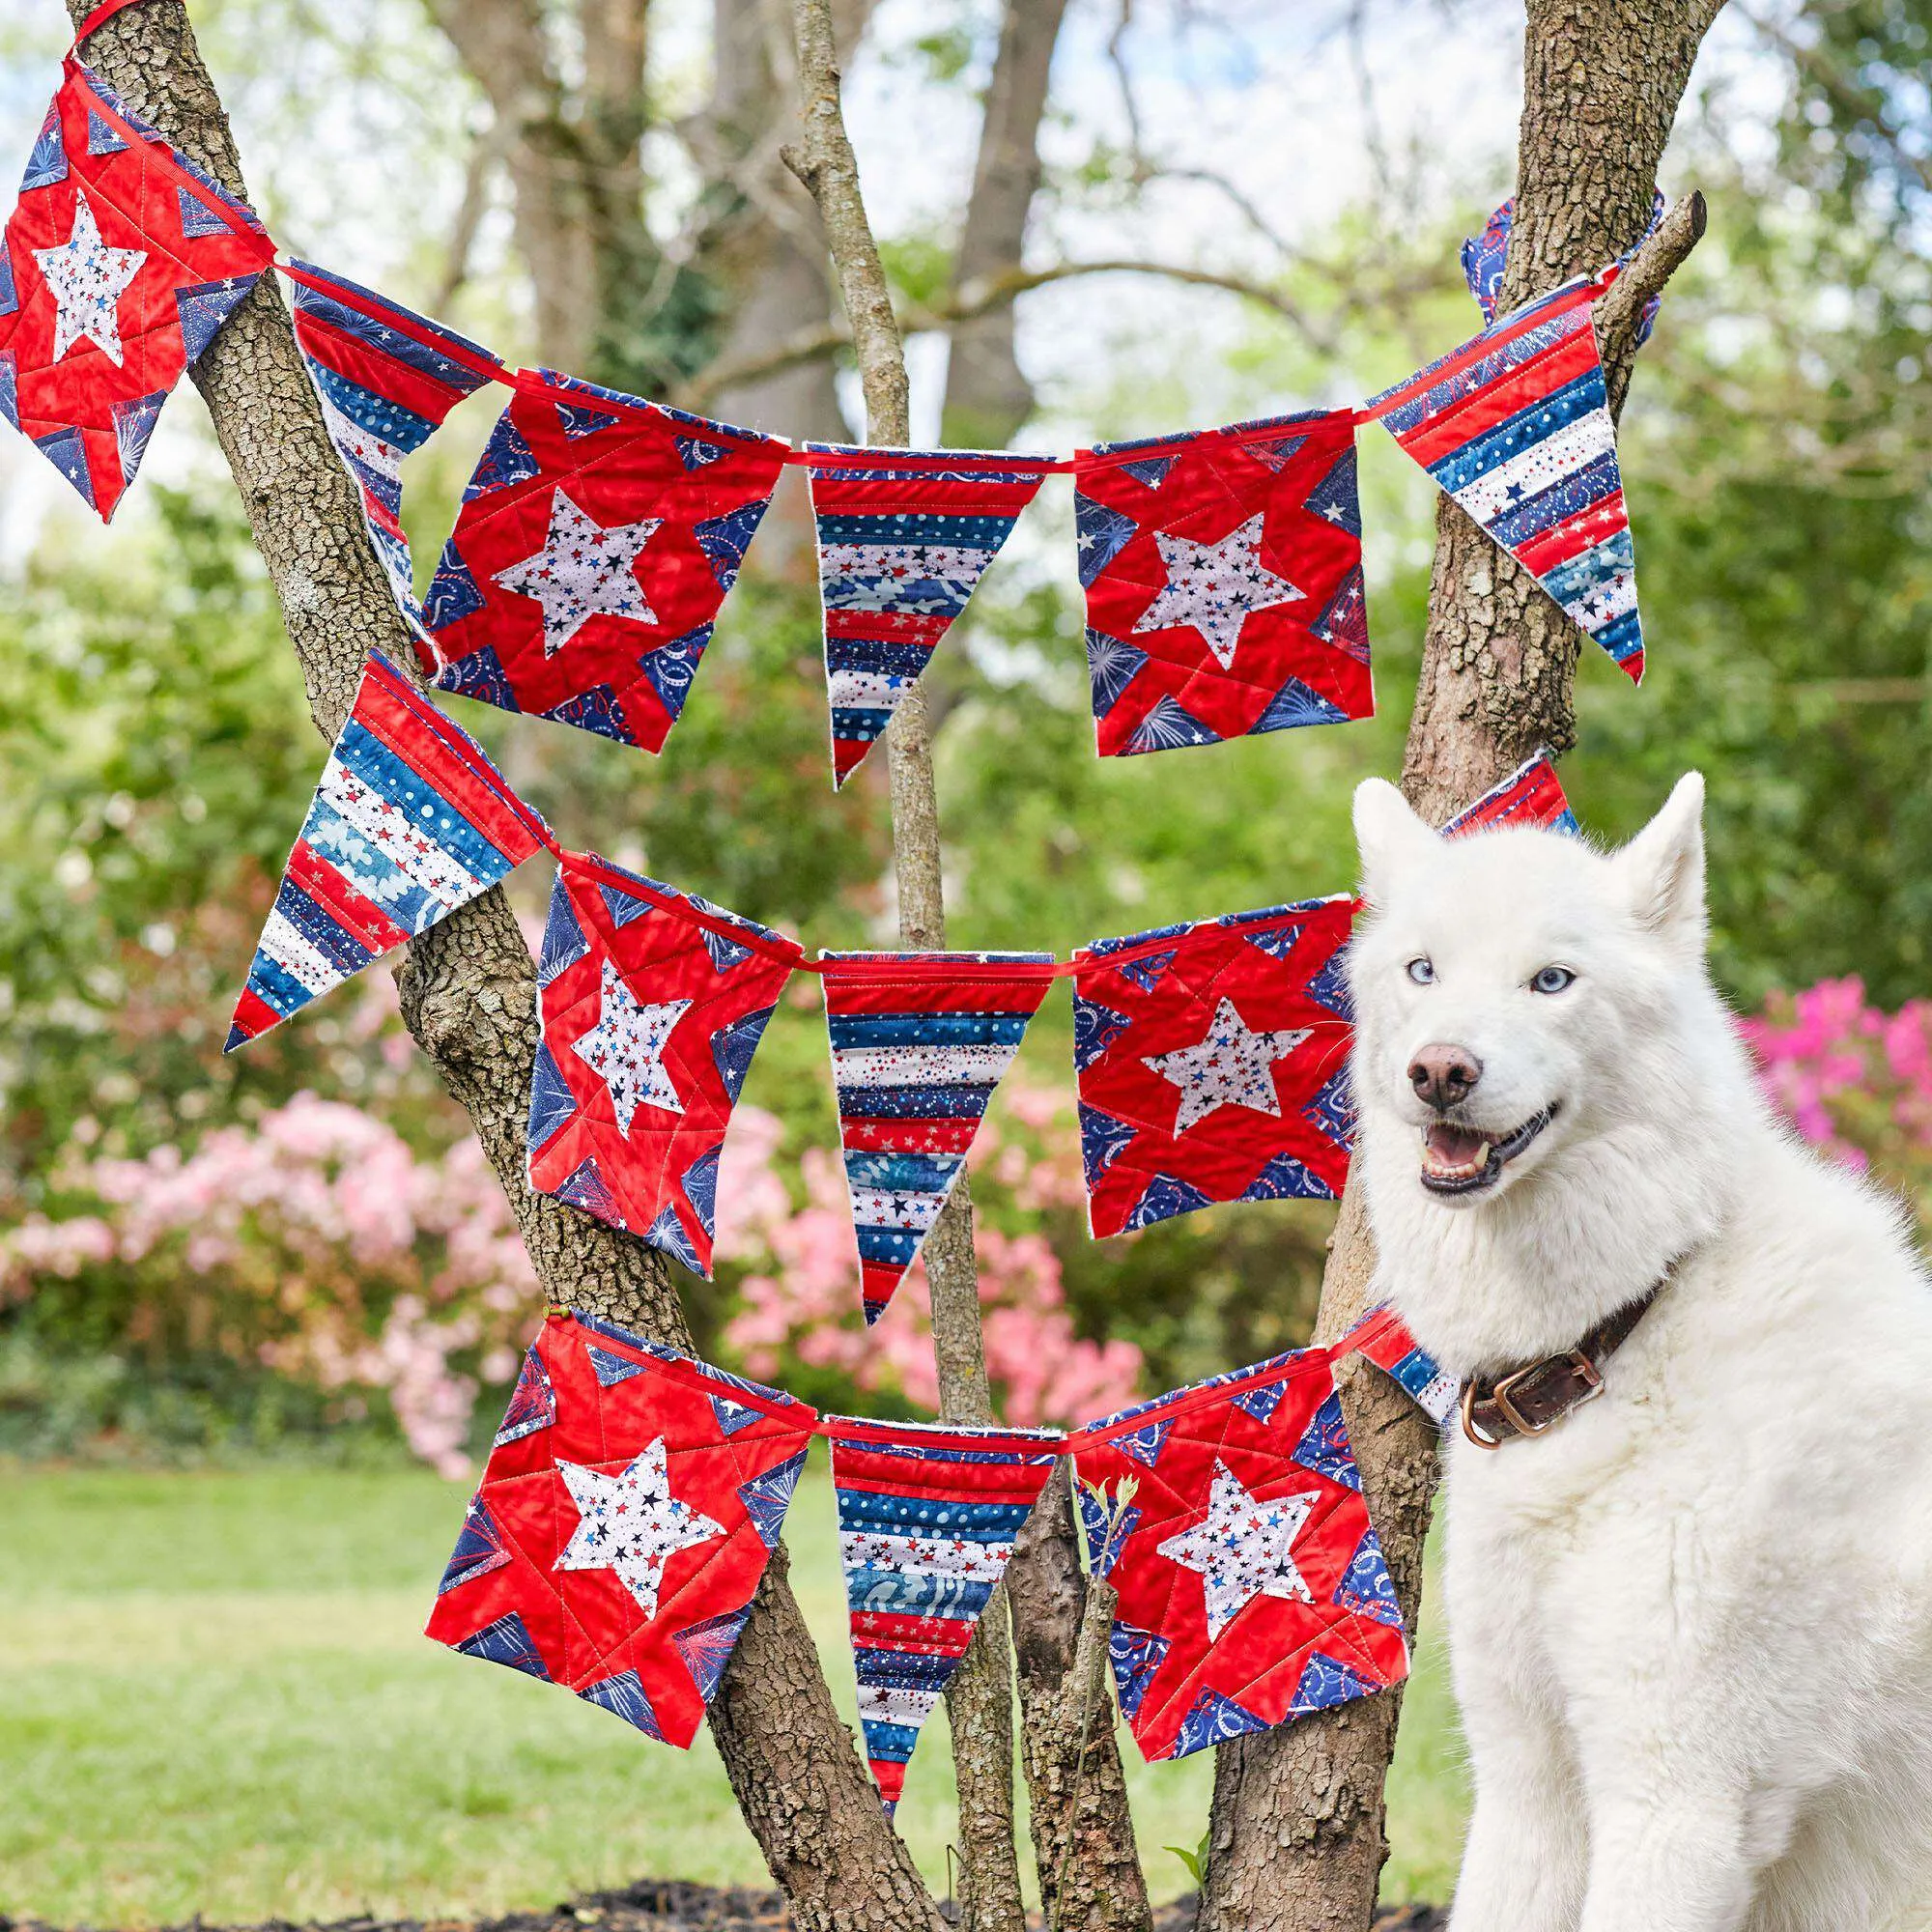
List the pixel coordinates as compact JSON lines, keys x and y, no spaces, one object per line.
{"x":1532,"y":795}
{"x":1382,"y":1337}
{"x":927,"y":1515}
{"x":1516,"y":426}
{"x":918,"y":1043}
{"x":904,"y":536}
{"x":386,"y":379}
{"x":411,"y":820}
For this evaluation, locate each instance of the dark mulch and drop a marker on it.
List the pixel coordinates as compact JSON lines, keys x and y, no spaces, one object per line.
{"x":672,"y":1906}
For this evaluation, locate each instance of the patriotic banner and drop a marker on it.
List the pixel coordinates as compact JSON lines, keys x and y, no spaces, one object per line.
{"x":120,"y":262}
{"x":411,"y":820}
{"x":904,"y":536}
{"x":927,"y":1515}
{"x":1382,"y":1338}
{"x":593,"y":548}
{"x":1229,"y":1517}
{"x":1223,"y":571}
{"x":1532,"y":795}
{"x":918,"y":1043}
{"x":1485,"y":255}
{"x":631,"y":1503}
{"x":1211,"y":1063}
{"x":386,"y":380}
{"x":1516,"y":426}
{"x":652,"y":1005}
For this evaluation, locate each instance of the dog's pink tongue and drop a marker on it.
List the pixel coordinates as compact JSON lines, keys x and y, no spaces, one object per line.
{"x":1454,"y":1147}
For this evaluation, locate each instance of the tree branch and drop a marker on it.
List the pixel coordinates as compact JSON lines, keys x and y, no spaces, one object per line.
{"x":1620,"y":308}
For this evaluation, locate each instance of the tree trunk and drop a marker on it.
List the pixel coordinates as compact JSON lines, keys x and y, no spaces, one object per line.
{"x":1297,"y":1835}
{"x":469,"y":998}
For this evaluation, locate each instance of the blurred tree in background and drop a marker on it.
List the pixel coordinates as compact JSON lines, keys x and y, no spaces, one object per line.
{"x":620,"y":210}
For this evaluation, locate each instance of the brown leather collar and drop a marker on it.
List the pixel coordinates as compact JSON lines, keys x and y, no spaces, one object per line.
{"x":1529,"y":1401}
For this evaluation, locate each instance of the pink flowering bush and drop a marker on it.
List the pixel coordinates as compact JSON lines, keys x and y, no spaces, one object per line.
{"x":315,"y":1243}
{"x":1854,"y":1080}
{"x":799,"y":1295}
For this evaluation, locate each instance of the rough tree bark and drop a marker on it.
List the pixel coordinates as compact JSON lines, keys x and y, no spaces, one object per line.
{"x":1298,"y":1840}
{"x":469,"y":998}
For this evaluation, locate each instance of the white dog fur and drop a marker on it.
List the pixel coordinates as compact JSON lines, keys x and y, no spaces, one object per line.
{"x":1691,"y":1626}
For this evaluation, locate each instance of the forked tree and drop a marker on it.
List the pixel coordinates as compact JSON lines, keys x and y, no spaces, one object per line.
{"x":1296,"y":1837}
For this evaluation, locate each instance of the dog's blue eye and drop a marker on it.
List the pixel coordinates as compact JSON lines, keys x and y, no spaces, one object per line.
{"x":1422,"y":972}
{"x":1552,"y":980}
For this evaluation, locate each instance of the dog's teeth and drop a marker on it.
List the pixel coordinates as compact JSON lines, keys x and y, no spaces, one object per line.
{"x":1482,"y":1156}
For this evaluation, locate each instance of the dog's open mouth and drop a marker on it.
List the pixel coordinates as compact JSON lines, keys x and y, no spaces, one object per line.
{"x":1461,"y":1161}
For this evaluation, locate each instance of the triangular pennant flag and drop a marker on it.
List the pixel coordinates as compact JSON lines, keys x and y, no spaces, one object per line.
{"x":386,"y":379}
{"x":1240,"y":1560}
{"x":411,"y":820}
{"x":1532,"y":795}
{"x":1382,"y":1338}
{"x":585,"y":561}
{"x":903,"y":538}
{"x":118,"y":266}
{"x":1214,"y":563}
{"x":616,"y":1549}
{"x":1516,"y":426}
{"x":1198,"y":1051}
{"x":928,"y":1514}
{"x":918,"y":1043}
{"x":1486,"y":255}
{"x":652,"y":1003}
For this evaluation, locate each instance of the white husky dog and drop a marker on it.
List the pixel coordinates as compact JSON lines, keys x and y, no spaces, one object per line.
{"x":1692,"y":1624}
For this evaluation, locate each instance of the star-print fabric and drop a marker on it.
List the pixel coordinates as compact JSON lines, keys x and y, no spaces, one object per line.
{"x":595,"y":543}
{"x":1229,"y":1517}
{"x":1532,"y":795}
{"x":1516,"y":426}
{"x":411,"y":820}
{"x":904,"y":536}
{"x":386,"y":379}
{"x":1485,"y":255}
{"x":1211,"y":1060}
{"x":1223,"y":572}
{"x":927,"y":1515}
{"x":918,"y":1043}
{"x":629,"y":1505}
{"x":652,"y":1004}
{"x":120,"y":262}
{"x":1382,"y":1338}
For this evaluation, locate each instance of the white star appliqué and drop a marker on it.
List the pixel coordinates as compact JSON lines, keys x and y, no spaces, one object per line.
{"x":625,"y":1050}
{"x":1229,"y":1068}
{"x":631,"y":1523}
{"x":1213,"y":586}
{"x":585,"y":568}
{"x":86,"y":279}
{"x":1242,"y":1548}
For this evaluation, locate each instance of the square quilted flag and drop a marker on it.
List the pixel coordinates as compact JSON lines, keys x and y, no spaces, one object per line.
{"x":629,"y":1505}
{"x":411,"y":820}
{"x":120,"y":262}
{"x":918,"y":1043}
{"x":1516,"y":426}
{"x":904,"y":536}
{"x":1230,"y":1519}
{"x":1211,"y":1063}
{"x":596,"y":540}
{"x":386,"y":379}
{"x":1224,"y":583}
{"x":927,"y":1515}
{"x":652,"y":1005}
{"x":1532,"y":795}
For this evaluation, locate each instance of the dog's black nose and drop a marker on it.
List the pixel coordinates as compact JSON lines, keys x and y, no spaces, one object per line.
{"x":1443,"y":1076}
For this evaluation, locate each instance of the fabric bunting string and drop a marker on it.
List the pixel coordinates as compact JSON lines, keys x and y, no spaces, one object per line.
{"x":1223,"y":572}
{"x":409,"y":821}
{"x":904,"y":536}
{"x":120,"y":262}
{"x":652,"y":1007}
{"x":1230,"y":1519}
{"x":629,"y":1505}
{"x":927,"y":1515}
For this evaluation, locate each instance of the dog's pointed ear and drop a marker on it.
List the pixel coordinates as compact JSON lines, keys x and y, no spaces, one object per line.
{"x":1389,"y":835}
{"x":1663,"y":867}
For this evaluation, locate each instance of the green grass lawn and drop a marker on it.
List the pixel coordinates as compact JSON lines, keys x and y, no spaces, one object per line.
{"x":215,"y":1698}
